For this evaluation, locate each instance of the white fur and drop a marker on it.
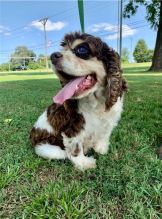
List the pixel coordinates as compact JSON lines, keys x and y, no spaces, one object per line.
{"x":42,"y":123}
{"x":98,"y":122}
{"x":96,"y":133}
{"x":83,"y":162}
{"x":48,"y":151}
{"x":80,"y":67}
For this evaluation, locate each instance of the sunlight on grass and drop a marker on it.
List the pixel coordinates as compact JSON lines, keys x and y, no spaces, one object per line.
{"x":127,"y":181}
{"x":18,"y":76}
{"x":144,"y":74}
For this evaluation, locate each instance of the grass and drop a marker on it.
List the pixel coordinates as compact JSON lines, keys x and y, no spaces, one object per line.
{"x":127,"y":182}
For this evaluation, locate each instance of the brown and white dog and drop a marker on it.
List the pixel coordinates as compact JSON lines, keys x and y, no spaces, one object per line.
{"x":88,"y":106}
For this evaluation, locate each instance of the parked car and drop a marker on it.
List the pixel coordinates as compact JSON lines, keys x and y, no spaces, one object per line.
{"x":19,"y":68}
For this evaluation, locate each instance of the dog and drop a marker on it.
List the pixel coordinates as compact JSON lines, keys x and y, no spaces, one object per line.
{"x":88,"y":106}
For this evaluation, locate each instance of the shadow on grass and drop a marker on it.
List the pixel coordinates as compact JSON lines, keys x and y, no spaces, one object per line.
{"x":136,"y":70}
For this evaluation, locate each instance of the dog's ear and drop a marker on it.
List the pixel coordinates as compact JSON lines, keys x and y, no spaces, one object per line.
{"x":115,"y":84}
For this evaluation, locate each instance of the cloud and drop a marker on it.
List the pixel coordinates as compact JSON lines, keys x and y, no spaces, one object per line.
{"x":7,"y":34}
{"x":50,"y":26}
{"x":4,"y":30}
{"x":126,"y":31}
{"x":112,"y":30}
{"x":102,"y":27}
{"x":49,"y":43}
{"x":27,"y":28}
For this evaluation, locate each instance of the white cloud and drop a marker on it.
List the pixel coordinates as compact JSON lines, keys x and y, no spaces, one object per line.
{"x":3,"y":29}
{"x":7,"y":34}
{"x":102,"y":27}
{"x":49,"y":43}
{"x":112,"y":30}
{"x":27,"y":28}
{"x":50,"y":26}
{"x":126,"y":31}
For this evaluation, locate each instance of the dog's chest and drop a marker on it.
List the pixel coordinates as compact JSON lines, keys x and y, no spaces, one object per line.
{"x":98,"y":122}
{"x":96,"y":118}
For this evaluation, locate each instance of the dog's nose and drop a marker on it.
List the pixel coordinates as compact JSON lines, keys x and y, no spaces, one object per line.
{"x":55,"y":56}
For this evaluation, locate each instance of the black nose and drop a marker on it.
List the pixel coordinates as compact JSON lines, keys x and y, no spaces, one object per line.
{"x":55,"y":56}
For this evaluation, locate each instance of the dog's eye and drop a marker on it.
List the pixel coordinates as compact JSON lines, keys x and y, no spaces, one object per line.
{"x":82,"y":51}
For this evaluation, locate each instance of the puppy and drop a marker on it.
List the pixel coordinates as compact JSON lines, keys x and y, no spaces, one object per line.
{"x":88,"y":106}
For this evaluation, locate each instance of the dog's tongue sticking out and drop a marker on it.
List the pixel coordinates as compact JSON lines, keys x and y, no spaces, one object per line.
{"x":74,"y":87}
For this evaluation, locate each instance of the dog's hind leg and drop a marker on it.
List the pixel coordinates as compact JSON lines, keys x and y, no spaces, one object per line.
{"x":50,"y":152}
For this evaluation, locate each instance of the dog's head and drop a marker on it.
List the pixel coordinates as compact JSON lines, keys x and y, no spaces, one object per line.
{"x":86,"y":64}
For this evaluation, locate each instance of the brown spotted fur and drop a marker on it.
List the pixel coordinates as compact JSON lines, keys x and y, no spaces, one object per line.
{"x":115,"y":84}
{"x":65,"y":118}
{"x":62,"y":118}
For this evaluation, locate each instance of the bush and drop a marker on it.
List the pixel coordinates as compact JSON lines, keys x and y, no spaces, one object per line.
{"x":33,"y":65}
{"x":142,"y":53}
{"x":4,"y":67}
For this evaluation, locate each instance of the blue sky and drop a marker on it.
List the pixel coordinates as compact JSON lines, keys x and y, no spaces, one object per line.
{"x":19,"y":24}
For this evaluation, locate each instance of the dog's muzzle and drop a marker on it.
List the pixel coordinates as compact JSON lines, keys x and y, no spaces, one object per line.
{"x":55,"y":57}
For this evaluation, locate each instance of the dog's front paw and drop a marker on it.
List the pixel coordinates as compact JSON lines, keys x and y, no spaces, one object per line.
{"x":85,"y":163}
{"x":101,"y":148}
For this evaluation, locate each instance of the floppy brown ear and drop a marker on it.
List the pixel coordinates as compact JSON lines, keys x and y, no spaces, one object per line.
{"x":115,"y":84}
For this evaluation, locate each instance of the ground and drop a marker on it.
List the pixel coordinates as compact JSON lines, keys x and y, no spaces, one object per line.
{"x":127,"y":182}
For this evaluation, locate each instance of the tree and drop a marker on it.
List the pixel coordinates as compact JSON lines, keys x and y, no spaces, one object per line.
{"x":4,"y":67}
{"x":150,"y":54}
{"x":141,"y":51}
{"x":34,"y":65}
{"x":22,"y":55}
{"x":154,"y":17}
{"x":125,"y":55}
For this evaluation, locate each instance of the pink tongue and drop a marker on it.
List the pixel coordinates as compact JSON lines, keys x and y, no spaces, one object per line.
{"x":68,"y":91}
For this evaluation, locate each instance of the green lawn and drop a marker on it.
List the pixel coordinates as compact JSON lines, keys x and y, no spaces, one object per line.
{"x":127,"y":182}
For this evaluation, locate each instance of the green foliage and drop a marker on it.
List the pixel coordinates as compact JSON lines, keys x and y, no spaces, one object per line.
{"x":41,"y":60}
{"x":33,"y":65}
{"x":150,"y":54}
{"x":141,"y":52}
{"x":125,"y":55}
{"x":4,"y":67}
{"x":22,"y":51}
{"x":152,"y":10}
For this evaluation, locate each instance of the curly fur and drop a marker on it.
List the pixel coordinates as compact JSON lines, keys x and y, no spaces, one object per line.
{"x":87,"y":122}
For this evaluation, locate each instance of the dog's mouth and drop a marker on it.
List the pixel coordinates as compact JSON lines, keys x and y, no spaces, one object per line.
{"x":75,"y":87}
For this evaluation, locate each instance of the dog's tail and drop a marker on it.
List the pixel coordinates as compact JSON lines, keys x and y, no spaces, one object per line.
{"x":50,"y":152}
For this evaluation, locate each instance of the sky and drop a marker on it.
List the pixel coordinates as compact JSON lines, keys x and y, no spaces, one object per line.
{"x":20,"y":26}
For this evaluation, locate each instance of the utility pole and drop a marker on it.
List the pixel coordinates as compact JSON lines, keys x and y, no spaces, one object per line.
{"x":118,"y":26}
{"x":121,"y":24}
{"x":131,"y":48}
{"x":9,"y":63}
{"x":44,"y":21}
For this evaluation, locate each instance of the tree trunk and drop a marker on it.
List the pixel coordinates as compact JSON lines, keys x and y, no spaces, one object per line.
{"x":157,"y":57}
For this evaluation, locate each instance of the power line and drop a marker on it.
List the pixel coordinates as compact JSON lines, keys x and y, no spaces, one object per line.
{"x":54,"y":15}
{"x":121,"y":25}
{"x":125,"y":30}
{"x":100,"y":35}
{"x":35,"y":47}
{"x":19,"y":29}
